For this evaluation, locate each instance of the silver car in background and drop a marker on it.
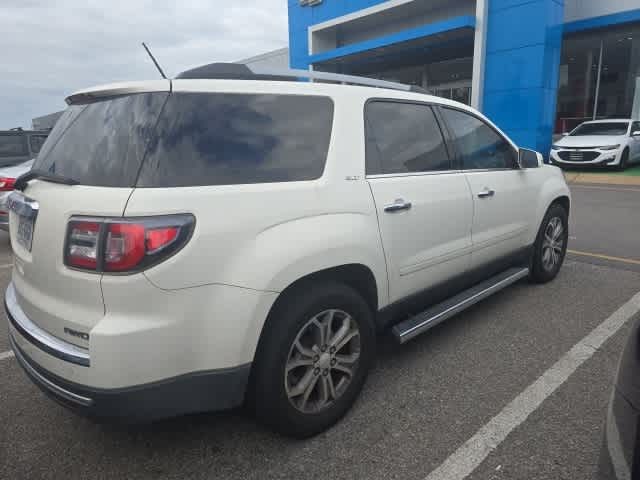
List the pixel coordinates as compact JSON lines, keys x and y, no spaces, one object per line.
{"x":18,"y":145}
{"x":18,"y":148}
{"x":600,"y":143}
{"x":8,"y":177}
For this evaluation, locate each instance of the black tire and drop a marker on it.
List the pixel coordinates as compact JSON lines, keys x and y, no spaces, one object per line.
{"x":269,"y":393}
{"x":624,"y":161}
{"x":540,"y":270}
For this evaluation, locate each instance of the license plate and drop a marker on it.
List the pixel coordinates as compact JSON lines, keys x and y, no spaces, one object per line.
{"x":25,"y":231}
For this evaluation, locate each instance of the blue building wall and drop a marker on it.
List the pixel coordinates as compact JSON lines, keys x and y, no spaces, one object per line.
{"x":455,"y":23}
{"x":522,"y":60}
{"x":300,"y":18}
{"x":524,"y":42}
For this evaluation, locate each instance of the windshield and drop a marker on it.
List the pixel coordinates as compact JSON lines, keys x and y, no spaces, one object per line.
{"x":13,"y":146}
{"x":602,"y":128}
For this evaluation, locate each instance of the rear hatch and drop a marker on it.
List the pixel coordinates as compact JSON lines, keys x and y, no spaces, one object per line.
{"x":99,"y":144}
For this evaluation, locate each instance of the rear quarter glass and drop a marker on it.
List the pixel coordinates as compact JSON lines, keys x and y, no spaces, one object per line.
{"x":225,"y":139}
{"x":102,"y":143}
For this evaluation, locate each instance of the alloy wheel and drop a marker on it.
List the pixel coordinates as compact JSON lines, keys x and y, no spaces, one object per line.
{"x":322,"y":361}
{"x":553,"y":244}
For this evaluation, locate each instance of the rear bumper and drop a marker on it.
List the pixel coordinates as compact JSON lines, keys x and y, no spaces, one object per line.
{"x":195,"y":392}
{"x":140,"y":374}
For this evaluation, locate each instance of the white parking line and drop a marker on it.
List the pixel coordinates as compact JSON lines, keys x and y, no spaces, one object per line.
{"x":5,"y":355}
{"x":473,"y":452}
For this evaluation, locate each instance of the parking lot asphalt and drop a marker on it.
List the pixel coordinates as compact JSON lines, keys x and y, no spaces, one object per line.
{"x":422,"y":401}
{"x":605,"y":222}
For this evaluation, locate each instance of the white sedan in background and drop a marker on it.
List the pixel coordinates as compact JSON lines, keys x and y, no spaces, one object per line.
{"x":601,"y":143}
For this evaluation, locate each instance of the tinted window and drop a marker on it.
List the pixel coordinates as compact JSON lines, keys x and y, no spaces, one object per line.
{"x":221,"y":139}
{"x":36,"y":142}
{"x":635,"y":127}
{"x":403,"y":137}
{"x":480,"y":146}
{"x":61,"y":126}
{"x":609,"y":128}
{"x":13,"y":145}
{"x":102,"y":143}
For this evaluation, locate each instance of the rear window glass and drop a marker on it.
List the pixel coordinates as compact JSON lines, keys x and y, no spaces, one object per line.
{"x":13,"y":146}
{"x":102,"y":143}
{"x":222,"y":139}
{"x":36,"y":142}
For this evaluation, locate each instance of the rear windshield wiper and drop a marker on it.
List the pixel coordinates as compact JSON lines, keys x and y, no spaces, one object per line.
{"x":23,"y":180}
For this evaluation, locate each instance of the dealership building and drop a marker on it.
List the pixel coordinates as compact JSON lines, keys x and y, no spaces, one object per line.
{"x":535,"y":67}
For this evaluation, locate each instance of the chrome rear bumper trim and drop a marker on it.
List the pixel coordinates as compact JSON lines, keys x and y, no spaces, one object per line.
{"x":46,"y":383}
{"x":41,"y":339}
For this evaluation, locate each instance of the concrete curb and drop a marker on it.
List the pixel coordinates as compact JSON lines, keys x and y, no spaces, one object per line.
{"x":603,"y":178}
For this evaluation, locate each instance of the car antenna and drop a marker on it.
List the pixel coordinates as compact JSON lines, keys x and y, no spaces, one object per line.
{"x":154,"y":60}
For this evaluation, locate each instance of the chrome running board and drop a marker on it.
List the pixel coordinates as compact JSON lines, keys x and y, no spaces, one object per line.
{"x":414,"y":326}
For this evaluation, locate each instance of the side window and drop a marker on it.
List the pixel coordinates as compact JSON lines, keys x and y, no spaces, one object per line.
{"x":635,"y":127}
{"x":480,"y":146}
{"x":402,"y":138}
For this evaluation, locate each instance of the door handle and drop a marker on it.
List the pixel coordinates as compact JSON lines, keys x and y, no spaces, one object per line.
{"x":486,"y":193}
{"x":397,"y":206}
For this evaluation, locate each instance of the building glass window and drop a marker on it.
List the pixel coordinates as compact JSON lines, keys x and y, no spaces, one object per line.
{"x":599,"y":73}
{"x":441,"y":64}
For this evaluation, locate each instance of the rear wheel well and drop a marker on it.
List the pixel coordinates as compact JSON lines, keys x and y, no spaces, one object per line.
{"x":355,"y":275}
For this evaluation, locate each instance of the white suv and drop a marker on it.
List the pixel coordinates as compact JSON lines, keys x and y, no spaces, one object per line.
{"x":191,"y":244}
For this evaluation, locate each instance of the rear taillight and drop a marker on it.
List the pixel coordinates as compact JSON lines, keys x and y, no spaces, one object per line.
{"x":6,"y":184}
{"x":82,"y":244}
{"x":125,"y":245}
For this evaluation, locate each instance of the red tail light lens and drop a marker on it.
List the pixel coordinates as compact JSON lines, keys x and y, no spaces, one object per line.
{"x":82,"y":244}
{"x":6,"y":184}
{"x":125,"y":245}
{"x":160,"y":237}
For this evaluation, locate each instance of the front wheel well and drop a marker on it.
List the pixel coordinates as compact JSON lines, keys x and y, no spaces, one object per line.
{"x":563,"y":201}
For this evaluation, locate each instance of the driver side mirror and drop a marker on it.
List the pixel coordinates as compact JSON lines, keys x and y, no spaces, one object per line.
{"x":529,"y":158}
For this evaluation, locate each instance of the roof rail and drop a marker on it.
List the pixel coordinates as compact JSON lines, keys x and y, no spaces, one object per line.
{"x":235,"y":71}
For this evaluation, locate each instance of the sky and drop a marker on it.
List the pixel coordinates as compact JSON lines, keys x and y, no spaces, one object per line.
{"x":53,"y":48}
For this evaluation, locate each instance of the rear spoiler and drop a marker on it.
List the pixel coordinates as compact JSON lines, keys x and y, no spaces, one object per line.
{"x":117,"y":89}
